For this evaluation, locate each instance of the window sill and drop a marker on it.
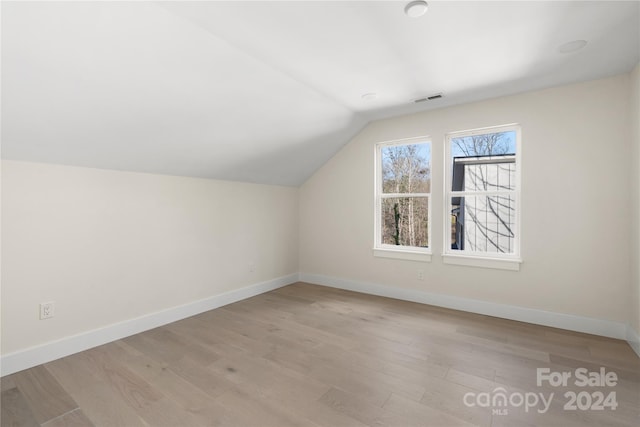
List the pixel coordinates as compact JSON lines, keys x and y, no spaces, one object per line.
{"x":405,"y":254}
{"x":512,"y":264}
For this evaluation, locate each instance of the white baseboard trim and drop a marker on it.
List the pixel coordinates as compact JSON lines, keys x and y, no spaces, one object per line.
{"x":633,"y":338}
{"x":571,"y":322}
{"x":24,"y":359}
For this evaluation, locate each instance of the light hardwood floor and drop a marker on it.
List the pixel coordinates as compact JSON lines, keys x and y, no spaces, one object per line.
{"x":307,"y":355}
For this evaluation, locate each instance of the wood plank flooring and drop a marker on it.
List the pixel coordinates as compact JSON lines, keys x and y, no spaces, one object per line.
{"x":306,"y":355}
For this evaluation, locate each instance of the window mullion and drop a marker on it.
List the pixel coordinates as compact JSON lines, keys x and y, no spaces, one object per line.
{"x":483,"y":193}
{"x":403,"y":195}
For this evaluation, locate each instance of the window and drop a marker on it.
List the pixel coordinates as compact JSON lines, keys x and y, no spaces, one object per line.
{"x":403,"y":199}
{"x":483,"y":197}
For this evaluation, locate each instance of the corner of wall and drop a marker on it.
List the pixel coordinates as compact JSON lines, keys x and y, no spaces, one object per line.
{"x":633,"y":335}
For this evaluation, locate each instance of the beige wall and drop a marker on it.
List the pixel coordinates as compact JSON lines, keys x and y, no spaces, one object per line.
{"x":635,"y":219}
{"x":575,"y":204}
{"x":110,"y":246}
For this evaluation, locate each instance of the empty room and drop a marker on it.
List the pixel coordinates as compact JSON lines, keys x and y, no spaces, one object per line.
{"x":320,"y":213}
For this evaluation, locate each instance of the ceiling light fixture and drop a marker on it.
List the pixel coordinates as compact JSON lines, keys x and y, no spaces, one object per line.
{"x":416,"y":9}
{"x":572,"y":46}
{"x":370,"y":96}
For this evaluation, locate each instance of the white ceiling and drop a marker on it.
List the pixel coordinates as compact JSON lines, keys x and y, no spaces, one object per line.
{"x":269,"y":91}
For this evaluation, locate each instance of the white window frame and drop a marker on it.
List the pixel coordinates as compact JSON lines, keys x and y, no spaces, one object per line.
{"x":409,"y":253}
{"x":474,"y":258}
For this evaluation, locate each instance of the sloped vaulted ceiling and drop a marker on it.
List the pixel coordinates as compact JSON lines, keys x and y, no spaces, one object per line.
{"x":269,"y":91}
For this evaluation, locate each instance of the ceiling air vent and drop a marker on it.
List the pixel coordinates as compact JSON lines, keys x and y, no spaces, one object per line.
{"x":429,"y":98}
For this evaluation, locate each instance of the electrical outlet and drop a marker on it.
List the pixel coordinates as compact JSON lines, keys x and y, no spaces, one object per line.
{"x":420,"y":275}
{"x":252,"y":267}
{"x":46,"y":310}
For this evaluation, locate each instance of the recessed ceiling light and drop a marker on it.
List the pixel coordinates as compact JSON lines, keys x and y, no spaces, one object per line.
{"x":416,"y":9}
{"x":370,"y":96}
{"x":572,"y":46}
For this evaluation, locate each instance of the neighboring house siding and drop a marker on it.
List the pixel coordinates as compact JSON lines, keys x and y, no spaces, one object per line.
{"x":484,"y":223}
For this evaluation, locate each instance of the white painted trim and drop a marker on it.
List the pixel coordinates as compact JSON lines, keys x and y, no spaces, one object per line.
{"x":379,"y":195}
{"x":633,"y":338}
{"x":448,"y":193}
{"x":24,"y":359}
{"x":512,"y":264}
{"x":421,"y":256}
{"x":571,"y":322}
